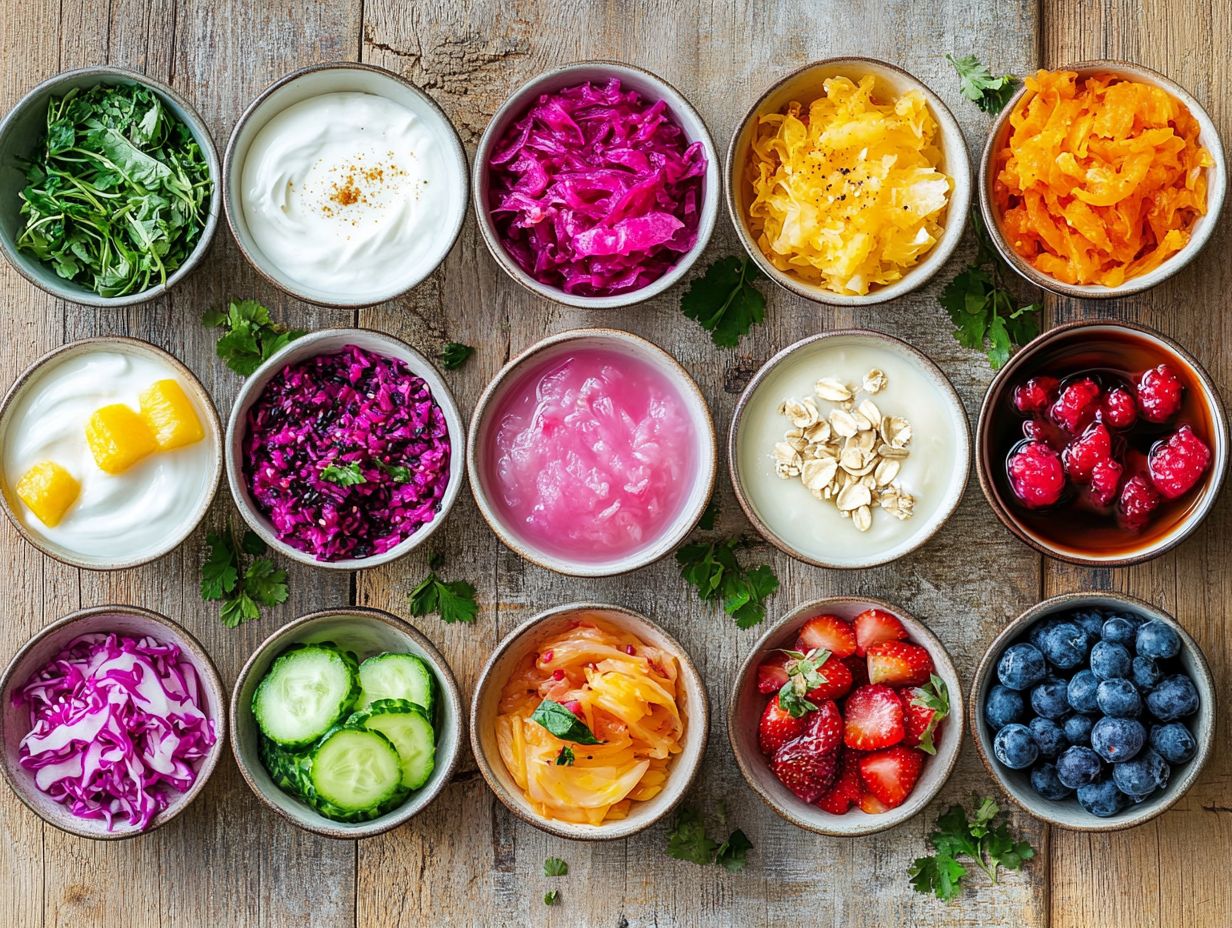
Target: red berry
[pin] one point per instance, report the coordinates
(1035, 394)
(808, 764)
(899, 663)
(1137, 501)
(1043, 430)
(872, 805)
(847, 788)
(1036, 475)
(772, 673)
(829, 632)
(874, 718)
(1105, 481)
(891, 775)
(859, 669)
(838, 683)
(1075, 408)
(1176, 465)
(1120, 411)
(874, 625)
(777, 727)
(1159, 394)
(1082, 454)
(924, 708)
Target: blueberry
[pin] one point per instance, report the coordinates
(1140, 777)
(1045, 782)
(1065, 645)
(1173, 742)
(1049, 698)
(1144, 672)
(1119, 630)
(1090, 621)
(1116, 740)
(1049, 736)
(1077, 766)
(1037, 632)
(1158, 639)
(1081, 691)
(1173, 698)
(1078, 729)
(1119, 698)
(1102, 798)
(1015, 747)
(1021, 666)
(1109, 660)
(1003, 706)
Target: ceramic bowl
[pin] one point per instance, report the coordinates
(651, 87)
(11, 408)
(1068, 813)
(483, 425)
(21, 134)
(1217, 180)
(341, 77)
(366, 632)
(812, 530)
(42, 648)
(693, 704)
(309, 346)
(1074, 340)
(747, 704)
(804, 85)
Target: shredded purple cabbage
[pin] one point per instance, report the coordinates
(596, 191)
(117, 726)
(353, 411)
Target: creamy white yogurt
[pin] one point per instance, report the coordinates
(117, 516)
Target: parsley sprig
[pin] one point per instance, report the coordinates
(977, 84)
(982, 840)
(453, 601)
(724, 301)
(344, 475)
(250, 337)
(713, 569)
(554, 866)
(454, 355)
(243, 590)
(688, 841)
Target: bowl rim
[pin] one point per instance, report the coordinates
(202, 510)
(211, 680)
(453, 705)
(1219, 440)
(948, 755)
(1062, 601)
(249, 393)
(698, 719)
(232, 205)
(958, 169)
(708, 213)
(945, 513)
(690, 390)
(1216, 189)
(201, 134)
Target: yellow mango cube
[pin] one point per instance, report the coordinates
(48, 489)
(169, 413)
(119, 438)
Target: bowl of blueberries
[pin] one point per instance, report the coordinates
(1094, 711)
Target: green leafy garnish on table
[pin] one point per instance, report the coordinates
(554, 866)
(344, 475)
(982, 840)
(562, 723)
(242, 590)
(118, 193)
(977, 84)
(713, 569)
(732, 854)
(250, 337)
(688, 841)
(551, 897)
(453, 601)
(724, 301)
(454, 355)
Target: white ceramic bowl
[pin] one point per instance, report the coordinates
(651, 87)
(340, 77)
(324, 342)
(481, 435)
(693, 703)
(804, 85)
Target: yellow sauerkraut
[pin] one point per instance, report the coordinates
(848, 195)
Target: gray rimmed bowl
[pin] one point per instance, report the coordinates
(693, 702)
(483, 424)
(20, 133)
(746, 705)
(1217, 177)
(28, 527)
(1068, 813)
(35, 653)
(651, 87)
(804, 85)
(337, 77)
(324, 342)
(366, 632)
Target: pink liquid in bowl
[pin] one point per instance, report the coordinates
(592, 456)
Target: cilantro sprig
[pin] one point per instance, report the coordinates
(982, 840)
(249, 337)
(344, 475)
(713, 569)
(453, 601)
(454, 355)
(724, 301)
(242, 589)
(975, 82)
(554, 866)
(688, 841)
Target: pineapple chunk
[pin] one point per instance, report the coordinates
(118, 438)
(48, 489)
(169, 413)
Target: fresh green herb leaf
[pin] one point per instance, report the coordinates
(265, 583)
(724, 301)
(397, 472)
(554, 866)
(733, 853)
(250, 337)
(803, 674)
(453, 601)
(983, 839)
(454, 355)
(551, 897)
(935, 696)
(562, 723)
(243, 590)
(345, 475)
(688, 841)
(565, 758)
(977, 84)
(220, 571)
(713, 569)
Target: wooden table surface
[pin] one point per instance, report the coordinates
(466, 861)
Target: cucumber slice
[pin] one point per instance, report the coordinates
(306, 691)
(284, 767)
(407, 727)
(354, 774)
(396, 676)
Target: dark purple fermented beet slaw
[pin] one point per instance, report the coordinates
(346, 453)
(596, 190)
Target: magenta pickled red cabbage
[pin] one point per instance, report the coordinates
(118, 726)
(346, 453)
(596, 191)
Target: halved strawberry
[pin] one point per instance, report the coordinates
(890, 775)
(829, 632)
(874, 625)
(924, 708)
(777, 727)
(859, 669)
(874, 718)
(847, 787)
(812, 678)
(899, 663)
(808, 764)
(838, 682)
(872, 805)
(772, 673)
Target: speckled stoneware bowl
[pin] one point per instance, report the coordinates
(1067, 813)
(558, 346)
(693, 703)
(21, 131)
(747, 704)
(325, 341)
(1217, 180)
(43, 647)
(651, 87)
(805, 85)
(366, 632)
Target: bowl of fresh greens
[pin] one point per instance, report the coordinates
(108, 187)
